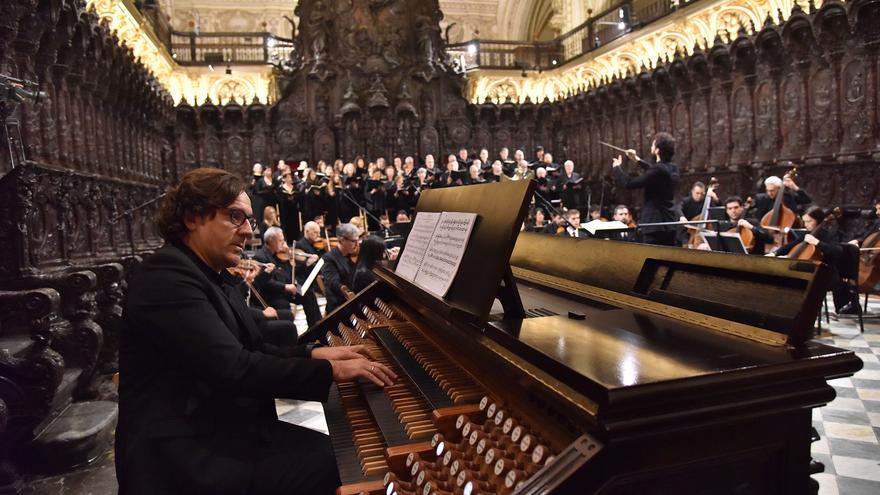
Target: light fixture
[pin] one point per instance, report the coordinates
(554, 62)
(621, 25)
(228, 70)
(211, 67)
(472, 48)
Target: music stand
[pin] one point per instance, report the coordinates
(725, 242)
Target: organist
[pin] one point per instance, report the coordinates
(198, 383)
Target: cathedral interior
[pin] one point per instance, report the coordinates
(108, 103)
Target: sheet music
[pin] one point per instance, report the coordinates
(594, 226)
(417, 244)
(312, 276)
(445, 251)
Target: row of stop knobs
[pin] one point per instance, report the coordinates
(490, 452)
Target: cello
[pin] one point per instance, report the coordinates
(780, 218)
(869, 263)
(746, 235)
(805, 251)
(696, 231)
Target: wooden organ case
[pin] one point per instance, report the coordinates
(602, 367)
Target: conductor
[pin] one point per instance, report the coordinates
(197, 381)
(659, 181)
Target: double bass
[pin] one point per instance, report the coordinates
(805, 251)
(696, 231)
(780, 218)
(869, 263)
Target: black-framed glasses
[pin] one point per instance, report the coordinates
(239, 217)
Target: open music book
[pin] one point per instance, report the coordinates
(434, 249)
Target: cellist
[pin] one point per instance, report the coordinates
(736, 219)
(872, 228)
(827, 241)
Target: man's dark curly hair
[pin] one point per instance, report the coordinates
(665, 143)
(201, 192)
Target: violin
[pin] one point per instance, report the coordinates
(325, 243)
(780, 217)
(805, 251)
(696, 231)
(869, 262)
(746, 235)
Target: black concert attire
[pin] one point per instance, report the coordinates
(347, 210)
(573, 232)
(337, 271)
(659, 182)
(569, 190)
(874, 227)
(690, 209)
(288, 205)
(271, 285)
(762, 236)
(491, 177)
(794, 201)
(832, 253)
(281, 331)
(264, 195)
(197, 389)
(313, 201)
(309, 299)
(507, 167)
(374, 201)
(331, 206)
(463, 164)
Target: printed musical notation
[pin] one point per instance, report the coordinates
(434, 249)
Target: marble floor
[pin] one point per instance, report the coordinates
(849, 426)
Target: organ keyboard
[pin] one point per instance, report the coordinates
(625, 371)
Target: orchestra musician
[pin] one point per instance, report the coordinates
(692, 205)
(338, 266)
(277, 287)
(826, 240)
(304, 266)
(536, 220)
(659, 182)
(872, 228)
(572, 226)
(198, 382)
(622, 214)
(736, 218)
(794, 198)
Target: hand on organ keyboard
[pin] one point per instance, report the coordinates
(351, 369)
(342, 352)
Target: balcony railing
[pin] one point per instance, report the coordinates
(595, 32)
(229, 48)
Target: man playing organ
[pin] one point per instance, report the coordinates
(198, 382)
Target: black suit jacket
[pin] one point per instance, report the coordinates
(337, 271)
(197, 382)
(659, 182)
(271, 285)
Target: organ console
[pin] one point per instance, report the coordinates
(602, 367)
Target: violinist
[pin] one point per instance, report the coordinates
(736, 218)
(278, 287)
(557, 224)
(794, 198)
(338, 265)
(306, 254)
(572, 226)
(827, 241)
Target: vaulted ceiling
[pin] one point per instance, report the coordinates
(466, 19)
